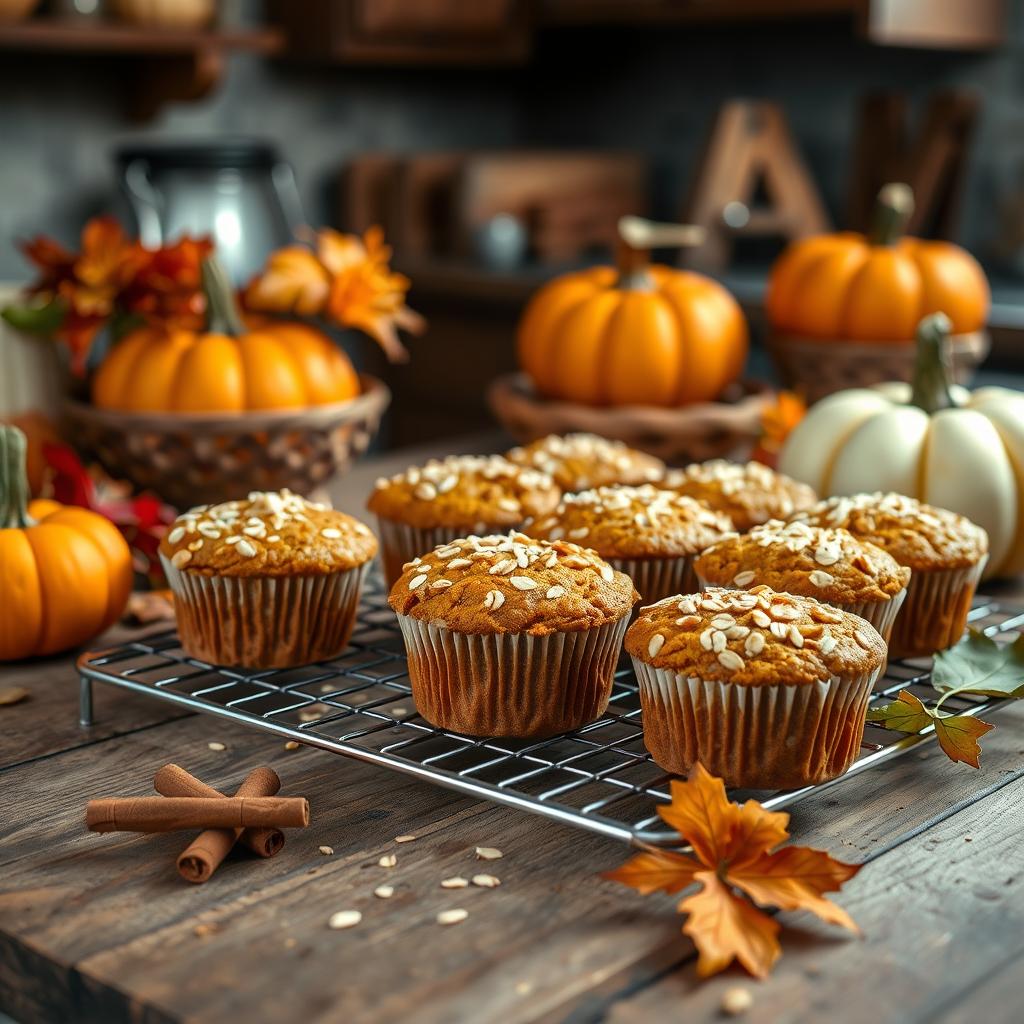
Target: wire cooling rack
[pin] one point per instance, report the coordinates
(600, 777)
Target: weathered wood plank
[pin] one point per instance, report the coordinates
(550, 939)
(937, 915)
(47, 722)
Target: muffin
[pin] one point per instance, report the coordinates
(945, 552)
(649, 534)
(578, 462)
(509, 636)
(447, 499)
(749, 493)
(766, 690)
(269, 582)
(828, 564)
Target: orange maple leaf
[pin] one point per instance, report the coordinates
(737, 864)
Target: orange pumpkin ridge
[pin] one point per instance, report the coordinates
(65, 575)
(641, 334)
(228, 368)
(875, 287)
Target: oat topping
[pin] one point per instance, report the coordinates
(921, 537)
(268, 533)
(750, 493)
(579, 461)
(790, 557)
(633, 522)
(755, 637)
(470, 492)
(512, 583)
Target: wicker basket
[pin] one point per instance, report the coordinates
(193, 459)
(707, 430)
(815, 368)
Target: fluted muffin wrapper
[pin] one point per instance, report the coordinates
(656, 578)
(935, 613)
(881, 614)
(400, 543)
(756, 737)
(265, 621)
(511, 684)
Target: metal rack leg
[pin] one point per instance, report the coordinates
(85, 718)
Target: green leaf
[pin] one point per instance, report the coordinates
(45, 319)
(977, 664)
(905, 714)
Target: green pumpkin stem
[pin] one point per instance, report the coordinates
(893, 209)
(222, 315)
(13, 480)
(933, 366)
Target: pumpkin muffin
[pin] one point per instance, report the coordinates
(749, 493)
(649, 534)
(578, 462)
(450, 498)
(509, 636)
(268, 582)
(945, 552)
(811, 561)
(766, 690)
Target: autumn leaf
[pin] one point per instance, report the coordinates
(739, 864)
(958, 736)
(905, 714)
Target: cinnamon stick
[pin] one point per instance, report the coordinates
(173, 780)
(173, 813)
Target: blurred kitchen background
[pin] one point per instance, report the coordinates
(440, 119)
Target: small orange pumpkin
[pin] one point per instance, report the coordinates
(65, 572)
(227, 369)
(875, 287)
(638, 334)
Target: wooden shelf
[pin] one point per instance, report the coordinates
(164, 64)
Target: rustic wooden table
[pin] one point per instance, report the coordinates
(100, 927)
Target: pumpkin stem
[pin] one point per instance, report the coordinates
(933, 373)
(13, 480)
(637, 237)
(222, 315)
(893, 209)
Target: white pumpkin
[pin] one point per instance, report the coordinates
(943, 445)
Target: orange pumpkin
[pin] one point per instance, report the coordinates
(875, 287)
(65, 572)
(227, 369)
(638, 334)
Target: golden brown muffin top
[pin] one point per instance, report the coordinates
(270, 533)
(581, 461)
(831, 565)
(921, 537)
(749, 493)
(471, 492)
(754, 638)
(512, 584)
(633, 522)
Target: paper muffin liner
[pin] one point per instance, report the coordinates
(935, 613)
(881, 614)
(656, 578)
(511, 684)
(265, 621)
(400, 543)
(755, 737)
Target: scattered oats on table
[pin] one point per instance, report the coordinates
(292, 745)
(488, 853)
(486, 881)
(216, 746)
(454, 916)
(404, 839)
(344, 919)
(389, 860)
(384, 892)
(736, 1001)
(326, 850)
(455, 882)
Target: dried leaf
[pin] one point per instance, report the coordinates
(958, 737)
(146, 606)
(957, 734)
(977, 664)
(736, 864)
(658, 870)
(905, 714)
(726, 927)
